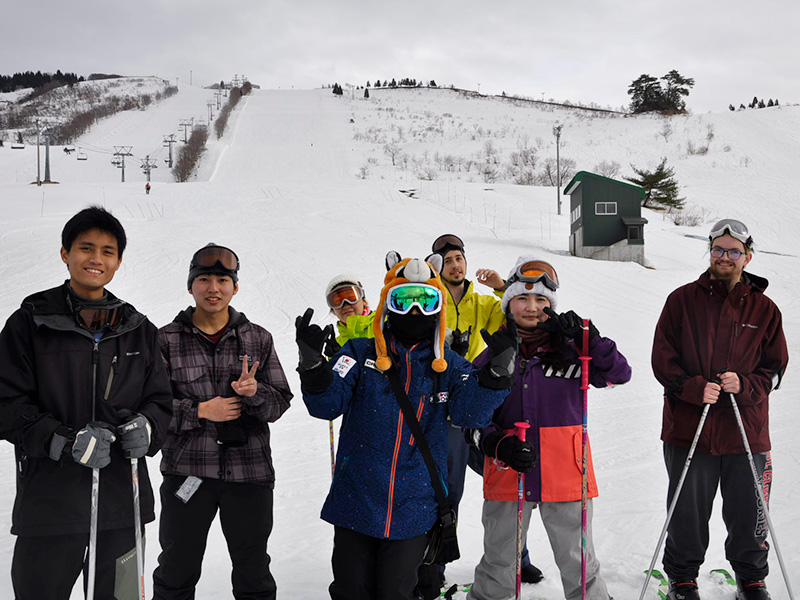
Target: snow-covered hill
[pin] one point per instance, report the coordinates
(283, 189)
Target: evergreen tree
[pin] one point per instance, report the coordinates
(366, 92)
(770, 103)
(761, 104)
(645, 93)
(677, 87)
(367, 82)
(660, 185)
(742, 107)
(731, 108)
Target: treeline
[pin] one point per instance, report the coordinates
(29, 79)
(756, 103)
(404, 82)
(189, 155)
(233, 99)
(80, 122)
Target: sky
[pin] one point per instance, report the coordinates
(585, 51)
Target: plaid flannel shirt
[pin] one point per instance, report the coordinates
(200, 370)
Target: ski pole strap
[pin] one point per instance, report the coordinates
(416, 431)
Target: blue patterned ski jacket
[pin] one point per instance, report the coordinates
(381, 486)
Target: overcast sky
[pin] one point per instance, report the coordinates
(577, 50)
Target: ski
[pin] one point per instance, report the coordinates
(455, 589)
(663, 584)
(722, 576)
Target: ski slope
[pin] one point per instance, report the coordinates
(281, 188)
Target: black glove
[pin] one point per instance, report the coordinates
(61, 442)
(310, 341)
(92, 445)
(515, 453)
(315, 372)
(567, 324)
(331, 345)
(498, 374)
(135, 434)
(460, 343)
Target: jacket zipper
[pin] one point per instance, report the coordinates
(111, 370)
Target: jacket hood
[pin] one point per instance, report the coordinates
(185, 317)
(755, 282)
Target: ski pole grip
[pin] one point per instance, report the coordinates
(520, 429)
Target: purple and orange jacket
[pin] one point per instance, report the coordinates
(551, 402)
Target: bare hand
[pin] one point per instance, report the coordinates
(246, 385)
(220, 409)
(711, 393)
(730, 382)
(490, 278)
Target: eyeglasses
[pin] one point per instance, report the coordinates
(349, 294)
(534, 271)
(732, 253)
(213, 255)
(402, 298)
(736, 229)
(447, 242)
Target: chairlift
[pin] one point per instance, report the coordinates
(82, 155)
(116, 162)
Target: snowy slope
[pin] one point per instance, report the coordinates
(281, 189)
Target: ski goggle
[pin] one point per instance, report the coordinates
(534, 271)
(349, 294)
(96, 318)
(211, 256)
(447, 242)
(736, 229)
(402, 298)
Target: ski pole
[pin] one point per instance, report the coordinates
(584, 358)
(137, 523)
(95, 493)
(675, 497)
(760, 490)
(333, 452)
(520, 431)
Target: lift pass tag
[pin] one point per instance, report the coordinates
(188, 488)
(343, 365)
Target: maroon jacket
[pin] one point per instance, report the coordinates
(705, 330)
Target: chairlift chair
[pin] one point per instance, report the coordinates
(82, 155)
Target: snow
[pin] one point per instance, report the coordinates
(281, 188)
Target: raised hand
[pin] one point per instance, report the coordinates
(246, 385)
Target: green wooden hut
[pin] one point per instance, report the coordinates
(606, 218)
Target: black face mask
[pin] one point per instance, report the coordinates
(411, 328)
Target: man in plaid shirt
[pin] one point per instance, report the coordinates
(227, 386)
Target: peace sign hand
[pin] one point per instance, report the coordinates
(246, 385)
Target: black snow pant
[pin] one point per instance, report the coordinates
(746, 546)
(368, 568)
(245, 514)
(49, 566)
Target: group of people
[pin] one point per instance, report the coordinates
(433, 380)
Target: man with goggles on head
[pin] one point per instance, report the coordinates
(467, 313)
(718, 338)
(381, 501)
(83, 391)
(227, 386)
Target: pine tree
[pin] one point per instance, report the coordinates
(366, 92)
(677, 86)
(660, 185)
(731, 108)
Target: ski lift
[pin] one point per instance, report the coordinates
(116, 162)
(82, 155)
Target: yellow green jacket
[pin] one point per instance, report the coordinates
(479, 311)
(358, 326)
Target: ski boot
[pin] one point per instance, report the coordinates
(531, 574)
(683, 590)
(747, 589)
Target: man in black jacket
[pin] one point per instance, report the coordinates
(83, 391)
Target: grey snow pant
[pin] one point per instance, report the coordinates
(496, 576)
